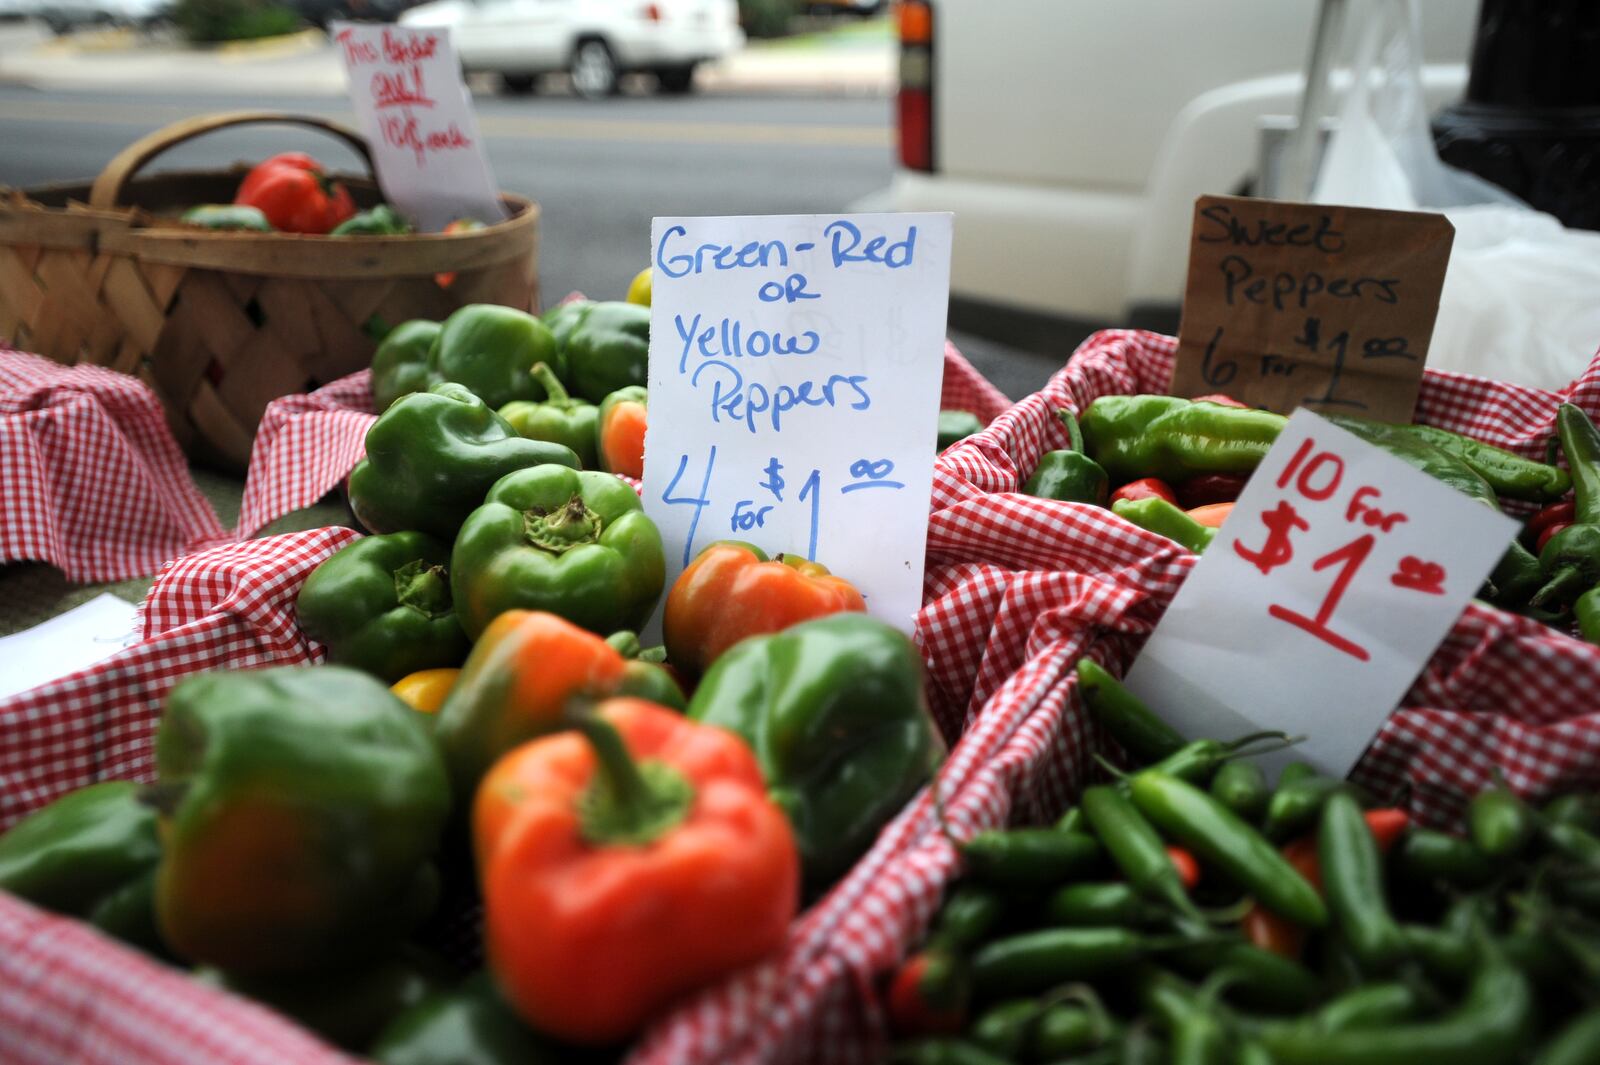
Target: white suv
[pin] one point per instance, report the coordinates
(596, 41)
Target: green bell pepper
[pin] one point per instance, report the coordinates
(91, 854)
(379, 221)
(471, 1025)
(403, 362)
(1068, 474)
(834, 710)
(382, 604)
(576, 544)
(349, 1007)
(559, 419)
(563, 318)
(228, 216)
(300, 808)
(957, 425)
(492, 350)
(432, 456)
(608, 349)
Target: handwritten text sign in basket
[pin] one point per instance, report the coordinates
(1292, 304)
(795, 366)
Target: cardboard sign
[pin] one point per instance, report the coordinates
(795, 371)
(414, 109)
(1293, 304)
(1323, 595)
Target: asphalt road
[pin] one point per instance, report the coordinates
(600, 171)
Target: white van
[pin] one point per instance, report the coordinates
(1070, 137)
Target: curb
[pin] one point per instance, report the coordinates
(298, 41)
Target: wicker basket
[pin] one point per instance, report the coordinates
(220, 323)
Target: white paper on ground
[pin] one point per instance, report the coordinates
(413, 107)
(795, 372)
(66, 643)
(1259, 637)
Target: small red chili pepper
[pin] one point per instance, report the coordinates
(1267, 930)
(1221, 400)
(1562, 512)
(1548, 532)
(1211, 488)
(1146, 488)
(1388, 825)
(909, 1009)
(1188, 868)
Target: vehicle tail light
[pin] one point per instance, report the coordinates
(916, 84)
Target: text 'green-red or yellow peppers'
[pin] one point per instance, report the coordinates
(834, 709)
(732, 591)
(92, 854)
(300, 808)
(608, 349)
(574, 543)
(523, 672)
(403, 363)
(493, 350)
(559, 418)
(382, 604)
(432, 456)
(619, 443)
(625, 864)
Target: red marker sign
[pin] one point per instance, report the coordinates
(1331, 583)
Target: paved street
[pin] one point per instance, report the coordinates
(599, 170)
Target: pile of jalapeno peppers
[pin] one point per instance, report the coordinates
(1190, 912)
(1177, 465)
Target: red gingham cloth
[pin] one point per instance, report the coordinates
(91, 480)
(307, 444)
(1017, 589)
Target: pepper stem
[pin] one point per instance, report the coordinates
(554, 390)
(423, 588)
(1561, 584)
(1074, 434)
(628, 803)
(571, 525)
(625, 643)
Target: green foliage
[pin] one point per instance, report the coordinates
(210, 21)
(767, 18)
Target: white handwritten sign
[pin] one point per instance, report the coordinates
(795, 369)
(405, 85)
(1323, 595)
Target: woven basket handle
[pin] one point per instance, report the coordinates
(108, 186)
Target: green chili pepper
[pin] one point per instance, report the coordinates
(1536, 956)
(228, 216)
(1136, 848)
(1586, 612)
(1035, 961)
(1582, 811)
(1515, 577)
(1511, 476)
(1242, 788)
(1500, 823)
(1294, 807)
(1102, 904)
(1174, 439)
(1064, 1029)
(1445, 955)
(1218, 836)
(1158, 516)
(1352, 883)
(1005, 1028)
(1257, 978)
(1135, 727)
(379, 221)
(1571, 558)
(1574, 843)
(1488, 1027)
(1029, 857)
(1198, 1039)
(1073, 821)
(1576, 1044)
(1369, 1007)
(957, 425)
(943, 1051)
(1428, 855)
(1068, 474)
(968, 915)
(1296, 771)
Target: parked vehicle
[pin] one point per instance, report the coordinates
(595, 41)
(1070, 139)
(63, 16)
(321, 12)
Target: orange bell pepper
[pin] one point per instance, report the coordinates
(517, 682)
(1212, 515)
(732, 590)
(426, 689)
(625, 864)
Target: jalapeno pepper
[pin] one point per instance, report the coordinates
(1294, 807)
(1242, 788)
(1217, 836)
(1132, 724)
(1500, 823)
(1036, 961)
(1068, 474)
(1136, 848)
(1102, 904)
(1029, 856)
(1576, 1044)
(1352, 881)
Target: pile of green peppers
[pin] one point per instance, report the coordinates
(1193, 913)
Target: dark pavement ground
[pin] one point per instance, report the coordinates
(600, 172)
